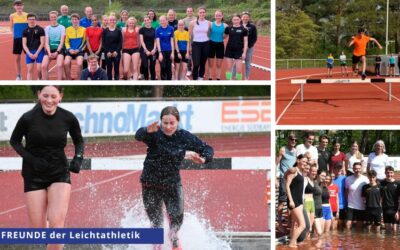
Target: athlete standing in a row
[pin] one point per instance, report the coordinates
(45, 169)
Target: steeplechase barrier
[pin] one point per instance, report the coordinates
(345, 81)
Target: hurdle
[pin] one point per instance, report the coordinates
(345, 81)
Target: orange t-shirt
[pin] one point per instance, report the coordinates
(360, 45)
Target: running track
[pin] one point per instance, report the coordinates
(227, 199)
(261, 58)
(334, 104)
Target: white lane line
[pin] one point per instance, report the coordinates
(287, 106)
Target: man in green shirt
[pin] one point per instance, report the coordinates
(64, 19)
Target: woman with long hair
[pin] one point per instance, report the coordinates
(130, 48)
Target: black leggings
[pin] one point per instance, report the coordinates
(144, 65)
(172, 197)
(166, 64)
(200, 52)
(113, 62)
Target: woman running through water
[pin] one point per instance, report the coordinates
(45, 169)
(168, 145)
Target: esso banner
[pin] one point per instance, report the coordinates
(125, 118)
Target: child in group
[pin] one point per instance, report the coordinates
(181, 48)
(333, 199)
(372, 194)
(329, 64)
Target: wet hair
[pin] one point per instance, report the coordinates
(58, 87)
(389, 168)
(170, 110)
(76, 15)
(372, 173)
(32, 15)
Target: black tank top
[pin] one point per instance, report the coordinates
(309, 189)
(296, 189)
(325, 195)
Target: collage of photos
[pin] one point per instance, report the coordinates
(274, 125)
(132, 162)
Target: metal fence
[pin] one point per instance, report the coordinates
(309, 63)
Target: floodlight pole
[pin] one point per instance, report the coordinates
(387, 25)
(109, 3)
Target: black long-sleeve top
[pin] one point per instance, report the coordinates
(46, 137)
(252, 39)
(112, 40)
(166, 153)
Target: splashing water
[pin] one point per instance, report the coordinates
(195, 233)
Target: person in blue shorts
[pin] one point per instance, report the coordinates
(33, 40)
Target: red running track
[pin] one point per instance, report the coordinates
(228, 199)
(334, 104)
(262, 57)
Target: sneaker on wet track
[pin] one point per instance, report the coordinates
(363, 76)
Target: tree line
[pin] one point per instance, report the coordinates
(315, 28)
(15, 93)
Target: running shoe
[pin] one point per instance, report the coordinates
(141, 77)
(188, 73)
(18, 78)
(363, 76)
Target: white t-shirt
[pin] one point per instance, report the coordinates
(352, 159)
(301, 149)
(354, 186)
(342, 58)
(378, 163)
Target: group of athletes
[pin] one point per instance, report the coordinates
(325, 190)
(183, 47)
(46, 170)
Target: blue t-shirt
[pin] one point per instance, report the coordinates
(165, 35)
(391, 60)
(86, 22)
(340, 181)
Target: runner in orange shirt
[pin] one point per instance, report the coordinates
(360, 50)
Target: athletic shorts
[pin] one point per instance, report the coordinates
(80, 53)
(183, 54)
(373, 216)
(343, 64)
(330, 66)
(343, 214)
(216, 50)
(62, 52)
(326, 212)
(235, 53)
(130, 51)
(318, 213)
(38, 59)
(392, 65)
(356, 59)
(17, 46)
(389, 215)
(334, 214)
(355, 214)
(34, 184)
(309, 205)
(282, 197)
